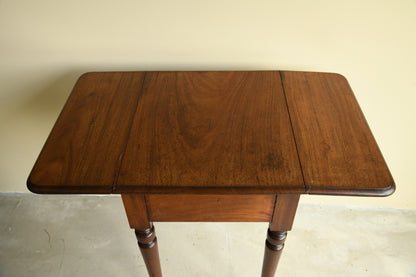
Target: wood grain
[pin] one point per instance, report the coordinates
(211, 208)
(337, 151)
(211, 132)
(83, 151)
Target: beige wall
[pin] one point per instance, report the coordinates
(46, 44)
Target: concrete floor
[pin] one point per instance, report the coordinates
(53, 235)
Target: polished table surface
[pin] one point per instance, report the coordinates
(211, 132)
(175, 137)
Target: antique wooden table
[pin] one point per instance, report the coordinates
(211, 146)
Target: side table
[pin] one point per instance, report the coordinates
(211, 146)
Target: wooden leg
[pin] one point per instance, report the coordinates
(282, 221)
(272, 251)
(136, 210)
(148, 246)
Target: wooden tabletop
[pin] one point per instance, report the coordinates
(223, 132)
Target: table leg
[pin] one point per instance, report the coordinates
(272, 251)
(148, 247)
(282, 221)
(137, 215)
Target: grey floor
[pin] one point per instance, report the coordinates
(89, 236)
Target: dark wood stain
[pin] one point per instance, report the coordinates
(136, 210)
(216, 132)
(337, 150)
(82, 153)
(211, 208)
(211, 146)
(211, 132)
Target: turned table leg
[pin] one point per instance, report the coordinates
(282, 221)
(272, 251)
(136, 211)
(148, 247)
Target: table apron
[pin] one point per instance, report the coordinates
(210, 208)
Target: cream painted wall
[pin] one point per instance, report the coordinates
(46, 44)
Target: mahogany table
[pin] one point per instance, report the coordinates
(211, 146)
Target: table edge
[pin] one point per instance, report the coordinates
(330, 191)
